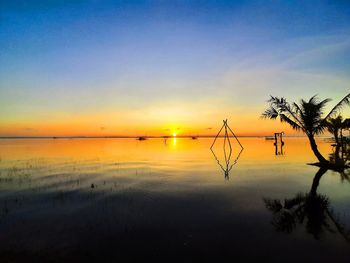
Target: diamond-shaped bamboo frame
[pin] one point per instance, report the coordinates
(227, 167)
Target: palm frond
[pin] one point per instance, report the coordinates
(298, 110)
(274, 205)
(292, 123)
(343, 102)
(296, 201)
(333, 125)
(313, 99)
(320, 129)
(346, 124)
(323, 103)
(270, 113)
(283, 107)
(339, 226)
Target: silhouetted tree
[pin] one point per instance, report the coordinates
(306, 117)
(344, 126)
(334, 126)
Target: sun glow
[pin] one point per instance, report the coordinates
(174, 134)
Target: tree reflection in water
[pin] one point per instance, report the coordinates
(311, 208)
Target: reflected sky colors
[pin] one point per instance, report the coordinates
(102, 198)
(152, 67)
(179, 156)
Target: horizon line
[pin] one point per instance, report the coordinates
(143, 137)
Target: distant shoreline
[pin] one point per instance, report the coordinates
(136, 137)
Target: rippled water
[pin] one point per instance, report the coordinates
(107, 199)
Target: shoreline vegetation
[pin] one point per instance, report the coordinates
(151, 137)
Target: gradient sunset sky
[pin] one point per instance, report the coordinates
(164, 67)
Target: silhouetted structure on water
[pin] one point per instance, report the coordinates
(226, 168)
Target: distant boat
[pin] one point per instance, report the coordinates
(194, 138)
(142, 138)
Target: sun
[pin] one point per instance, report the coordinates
(174, 134)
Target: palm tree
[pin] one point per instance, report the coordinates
(344, 126)
(334, 125)
(306, 117)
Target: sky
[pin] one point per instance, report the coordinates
(163, 67)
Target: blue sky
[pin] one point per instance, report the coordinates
(71, 59)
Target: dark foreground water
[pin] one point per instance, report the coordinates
(120, 200)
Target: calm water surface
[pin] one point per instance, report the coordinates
(108, 199)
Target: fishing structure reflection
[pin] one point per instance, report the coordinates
(279, 150)
(227, 149)
(279, 143)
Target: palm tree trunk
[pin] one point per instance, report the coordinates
(336, 138)
(314, 148)
(341, 137)
(316, 181)
(336, 154)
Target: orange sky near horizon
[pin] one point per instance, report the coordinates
(91, 68)
(197, 119)
(144, 126)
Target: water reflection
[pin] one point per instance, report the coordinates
(279, 150)
(311, 208)
(226, 149)
(226, 168)
(99, 199)
(341, 157)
